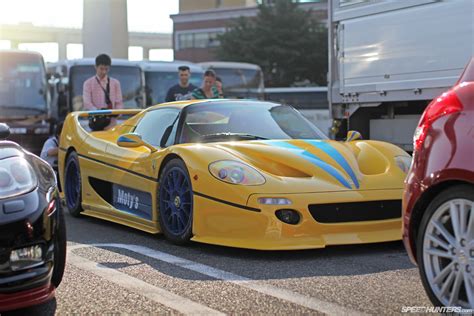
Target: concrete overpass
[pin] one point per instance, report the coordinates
(28, 33)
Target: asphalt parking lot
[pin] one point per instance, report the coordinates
(115, 269)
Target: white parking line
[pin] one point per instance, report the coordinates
(140, 287)
(287, 295)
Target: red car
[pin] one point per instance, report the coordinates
(438, 202)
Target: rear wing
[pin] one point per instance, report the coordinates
(99, 120)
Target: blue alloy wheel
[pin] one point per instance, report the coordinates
(176, 202)
(73, 185)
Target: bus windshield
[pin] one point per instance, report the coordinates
(22, 83)
(236, 78)
(158, 83)
(130, 82)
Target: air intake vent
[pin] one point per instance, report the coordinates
(356, 211)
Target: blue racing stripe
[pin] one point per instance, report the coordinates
(336, 155)
(124, 139)
(99, 112)
(314, 160)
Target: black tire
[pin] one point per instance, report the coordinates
(60, 240)
(180, 233)
(73, 185)
(455, 192)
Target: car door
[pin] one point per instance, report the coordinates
(134, 188)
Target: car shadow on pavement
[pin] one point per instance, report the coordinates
(331, 261)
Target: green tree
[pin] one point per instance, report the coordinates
(286, 41)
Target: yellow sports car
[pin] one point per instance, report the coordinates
(238, 173)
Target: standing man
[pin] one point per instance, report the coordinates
(184, 89)
(101, 91)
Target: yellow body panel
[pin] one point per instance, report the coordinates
(227, 225)
(220, 215)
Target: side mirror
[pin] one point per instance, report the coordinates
(353, 135)
(4, 131)
(133, 140)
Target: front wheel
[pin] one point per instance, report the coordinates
(445, 248)
(60, 241)
(73, 184)
(176, 202)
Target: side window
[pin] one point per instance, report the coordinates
(153, 125)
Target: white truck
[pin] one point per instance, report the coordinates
(388, 59)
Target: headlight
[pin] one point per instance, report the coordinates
(403, 162)
(25, 258)
(235, 172)
(16, 177)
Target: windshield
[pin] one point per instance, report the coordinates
(468, 74)
(252, 119)
(158, 83)
(130, 82)
(22, 83)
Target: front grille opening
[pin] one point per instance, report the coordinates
(356, 211)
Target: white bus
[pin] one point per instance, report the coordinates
(25, 98)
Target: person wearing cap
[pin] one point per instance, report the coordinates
(182, 90)
(102, 91)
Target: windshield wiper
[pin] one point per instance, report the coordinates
(241, 136)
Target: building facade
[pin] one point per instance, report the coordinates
(197, 25)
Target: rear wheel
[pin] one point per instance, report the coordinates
(60, 241)
(73, 184)
(445, 246)
(176, 202)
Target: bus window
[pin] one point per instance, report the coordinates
(128, 76)
(239, 80)
(158, 83)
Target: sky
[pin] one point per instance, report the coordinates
(143, 16)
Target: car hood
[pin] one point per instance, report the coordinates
(315, 165)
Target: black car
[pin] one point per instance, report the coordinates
(32, 228)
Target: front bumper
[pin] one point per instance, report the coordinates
(224, 224)
(23, 299)
(411, 196)
(30, 225)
